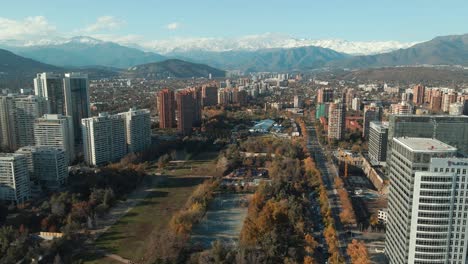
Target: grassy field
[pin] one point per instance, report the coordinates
(129, 237)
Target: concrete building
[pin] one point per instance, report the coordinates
(403, 108)
(426, 208)
(321, 110)
(372, 113)
(103, 139)
(418, 94)
(137, 129)
(185, 111)
(14, 178)
(447, 100)
(55, 130)
(297, 101)
(209, 95)
(324, 95)
(456, 109)
(17, 116)
(452, 130)
(76, 87)
(356, 104)
(378, 139)
(166, 108)
(47, 166)
(336, 120)
(51, 86)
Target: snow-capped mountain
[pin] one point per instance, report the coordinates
(268, 41)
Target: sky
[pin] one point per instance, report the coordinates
(138, 20)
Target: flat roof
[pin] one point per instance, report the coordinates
(416, 144)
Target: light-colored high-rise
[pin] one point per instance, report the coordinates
(17, 116)
(336, 120)
(47, 166)
(137, 129)
(51, 86)
(76, 87)
(55, 131)
(427, 209)
(103, 139)
(378, 136)
(14, 178)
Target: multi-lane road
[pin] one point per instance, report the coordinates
(329, 172)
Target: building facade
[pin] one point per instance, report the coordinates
(378, 139)
(51, 86)
(103, 139)
(372, 113)
(185, 111)
(137, 129)
(166, 108)
(76, 89)
(14, 178)
(336, 120)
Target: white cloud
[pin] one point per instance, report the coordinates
(173, 26)
(104, 23)
(29, 28)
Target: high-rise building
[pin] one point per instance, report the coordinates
(336, 120)
(406, 97)
(77, 106)
(372, 113)
(209, 95)
(8, 127)
(452, 130)
(378, 138)
(51, 86)
(137, 129)
(197, 105)
(350, 95)
(27, 109)
(356, 104)
(166, 108)
(55, 130)
(321, 110)
(324, 95)
(436, 103)
(185, 111)
(447, 100)
(17, 116)
(104, 139)
(297, 101)
(47, 166)
(14, 178)
(418, 94)
(423, 206)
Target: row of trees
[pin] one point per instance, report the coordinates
(347, 215)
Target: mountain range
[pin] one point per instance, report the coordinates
(101, 58)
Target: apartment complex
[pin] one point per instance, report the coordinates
(14, 178)
(137, 129)
(378, 139)
(166, 108)
(336, 120)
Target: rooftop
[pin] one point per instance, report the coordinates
(424, 144)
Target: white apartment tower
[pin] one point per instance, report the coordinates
(54, 130)
(14, 178)
(137, 129)
(47, 166)
(427, 208)
(103, 139)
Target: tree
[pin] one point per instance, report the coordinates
(358, 253)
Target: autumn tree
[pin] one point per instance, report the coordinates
(358, 253)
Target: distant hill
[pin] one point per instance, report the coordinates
(288, 59)
(16, 71)
(407, 74)
(445, 50)
(85, 51)
(173, 68)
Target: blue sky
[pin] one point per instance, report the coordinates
(338, 19)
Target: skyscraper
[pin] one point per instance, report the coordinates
(378, 138)
(452, 130)
(418, 94)
(17, 116)
(209, 95)
(47, 166)
(372, 113)
(56, 131)
(137, 129)
(185, 111)
(104, 139)
(336, 120)
(324, 95)
(76, 88)
(51, 86)
(447, 100)
(166, 108)
(423, 203)
(14, 178)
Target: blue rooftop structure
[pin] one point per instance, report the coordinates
(263, 126)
